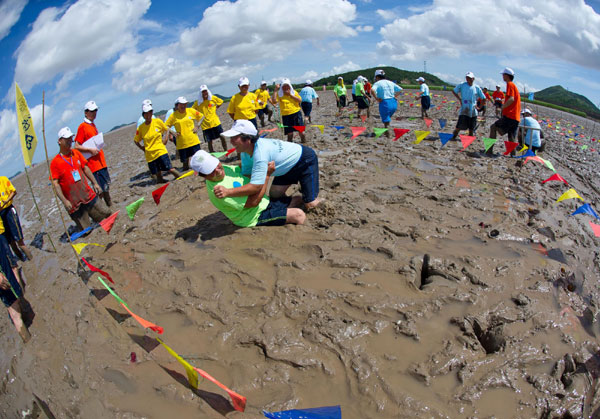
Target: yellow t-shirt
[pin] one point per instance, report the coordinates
(6, 188)
(1, 227)
(152, 134)
(209, 109)
(243, 107)
(263, 96)
(288, 105)
(184, 124)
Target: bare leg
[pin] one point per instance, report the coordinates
(210, 147)
(302, 137)
(278, 191)
(175, 173)
(270, 113)
(312, 204)
(25, 249)
(14, 311)
(107, 199)
(295, 216)
(290, 136)
(224, 144)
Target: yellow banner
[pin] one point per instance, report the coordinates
(26, 131)
(191, 372)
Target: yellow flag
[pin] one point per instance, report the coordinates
(190, 173)
(570, 194)
(191, 372)
(420, 135)
(79, 246)
(524, 148)
(321, 127)
(26, 131)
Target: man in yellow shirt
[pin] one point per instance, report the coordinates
(151, 133)
(187, 139)
(243, 105)
(289, 105)
(207, 104)
(263, 96)
(10, 219)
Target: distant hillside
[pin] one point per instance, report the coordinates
(558, 95)
(392, 73)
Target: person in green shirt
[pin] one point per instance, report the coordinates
(361, 97)
(245, 211)
(340, 94)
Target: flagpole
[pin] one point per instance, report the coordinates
(36, 206)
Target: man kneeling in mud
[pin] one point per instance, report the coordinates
(245, 211)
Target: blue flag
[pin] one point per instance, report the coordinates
(444, 137)
(338, 127)
(529, 153)
(329, 412)
(78, 234)
(586, 209)
(442, 123)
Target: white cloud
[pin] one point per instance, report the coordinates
(567, 30)
(68, 40)
(10, 12)
(386, 15)
(9, 133)
(366, 28)
(348, 66)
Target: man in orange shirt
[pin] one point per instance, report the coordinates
(498, 96)
(511, 111)
(87, 129)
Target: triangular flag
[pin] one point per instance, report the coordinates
(338, 127)
(488, 142)
(191, 373)
(281, 125)
(529, 153)
(584, 147)
(351, 117)
(239, 402)
(145, 323)
(379, 131)
(157, 193)
(510, 146)
(420, 136)
(267, 130)
(595, 229)
(97, 270)
(524, 148)
(586, 209)
(78, 234)
(111, 291)
(327, 412)
(466, 140)
(428, 122)
(356, 131)
(108, 222)
(442, 123)
(186, 174)
(534, 158)
(231, 150)
(79, 246)
(462, 183)
(363, 118)
(218, 154)
(321, 127)
(570, 194)
(549, 165)
(399, 132)
(299, 128)
(555, 177)
(444, 137)
(134, 206)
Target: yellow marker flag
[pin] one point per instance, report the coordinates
(420, 136)
(79, 246)
(191, 372)
(570, 194)
(321, 127)
(26, 131)
(523, 149)
(190, 173)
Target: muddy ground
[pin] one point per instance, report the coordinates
(430, 283)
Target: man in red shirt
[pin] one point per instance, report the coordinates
(511, 111)
(87, 129)
(498, 96)
(70, 175)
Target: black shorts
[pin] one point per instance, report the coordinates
(103, 179)
(425, 102)
(264, 111)
(276, 213)
(498, 103)
(306, 108)
(466, 122)
(186, 153)
(353, 97)
(305, 171)
(213, 133)
(291, 121)
(507, 126)
(161, 163)
(12, 225)
(362, 102)
(342, 102)
(9, 296)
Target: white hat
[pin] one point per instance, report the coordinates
(421, 79)
(146, 102)
(146, 107)
(263, 82)
(379, 73)
(65, 133)
(181, 99)
(527, 110)
(241, 126)
(90, 106)
(340, 78)
(243, 81)
(470, 75)
(508, 71)
(203, 163)
(202, 89)
(308, 82)
(498, 86)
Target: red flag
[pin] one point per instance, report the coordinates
(100, 271)
(157, 193)
(266, 130)
(466, 140)
(299, 128)
(428, 122)
(239, 402)
(356, 131)
(412, 104)
(231, 150)
(557, 178)
(510, 146)
(595, 228)
(363, 117)
(145, 323)
(399, 132)
(108, 222)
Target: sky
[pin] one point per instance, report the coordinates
(120, 52)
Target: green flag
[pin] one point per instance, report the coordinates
(219, 154)
(133, 207)
(111, 291)
(488, 142)
(549, 165)
(379, 131)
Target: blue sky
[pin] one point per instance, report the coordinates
(119, 52)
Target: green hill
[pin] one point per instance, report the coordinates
(558, 95)
(392, 73)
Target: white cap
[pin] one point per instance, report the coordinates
(421, 79)
(203, 163)
(241, 126)
(263, 82)
(508, 70)
(470, 75)
(307, 82)
(146, 107)
(379, 73)
(203, 88)
(498, 86)
(340, 78)
(243, 81)
(527, 110)
(90, 106)
(146, 102)
(181, 99)
(65, 133)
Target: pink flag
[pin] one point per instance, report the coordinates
(428, 122)
(595, 229)
(356, 131)
(399, 132)
(157, 193)
(107, 223)
(466, 140)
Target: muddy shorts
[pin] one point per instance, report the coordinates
(466, 122)
(213, 133)
(508, 126)
(291, 121)
(305, 171)
(276, 213)
(103, 179)
(161, 163)
(186, 153)
(342, 101)
(264, 111)
(362, 102)
(12, 225)
(9, 296)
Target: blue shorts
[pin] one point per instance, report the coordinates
(291, 121)
(387, 107)
(186, 153)
(102, 178)
(162, 163)
(425, 102)
(306, 108)
(213, 133)
(276, 213)
(306, 171)
(12, 226)
(9, 296)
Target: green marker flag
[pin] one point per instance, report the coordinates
(584, 147)
(488, 142)
(379, 131)
(351, 117)
(549, 165)
(133, 207)
(218, 154)
(111, 291)
(281, 125)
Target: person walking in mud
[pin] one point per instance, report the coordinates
(385, 92)
(263, 96)
(340, 92)
(467, 94)
(207, 104)
(511, 111)
(10, 219)
(182, 119)
(362, 102)
(289, 104)
(425, 97)
(308, 94)
(498, 97)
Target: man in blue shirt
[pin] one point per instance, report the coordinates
(467, 94)
(294, 163)
(385, 92)
(308, 94)
(425, 97)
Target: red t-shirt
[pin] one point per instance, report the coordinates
(84, 133)
(76, 192)
(498, 95)
(514, 110)
(368, 88)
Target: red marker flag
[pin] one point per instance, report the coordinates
(363, 117)
(595, 229)
(267, 130)
(231, 150)
(510, 146)
(157, 193)
(428, 122)
(356, 131)
(107, 223)
(97, 270)
(399, 132)
(299, 128)
(557, 178)
(145, 323)
(239, 402)
(466, 140)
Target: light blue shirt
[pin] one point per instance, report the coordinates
(354, 87)
(532, 137)
(284, 153)
(385, 89)
(469, 95)
(308, 94)
(424, 90)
